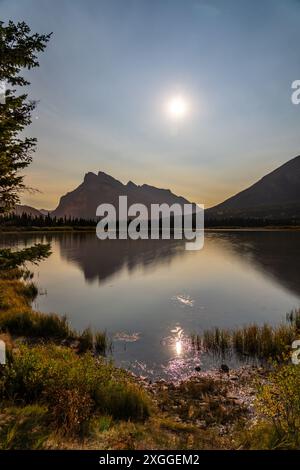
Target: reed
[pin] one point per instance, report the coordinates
(86, 341)
(262, 342)
(102, 343)
(293, 318)
(217, 339)
(36, 325)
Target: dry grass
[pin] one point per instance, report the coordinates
(261, 342)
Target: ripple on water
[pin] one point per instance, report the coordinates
(184, 300)
(127, 337)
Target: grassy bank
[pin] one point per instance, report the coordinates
(19, 319)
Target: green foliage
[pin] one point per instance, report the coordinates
(36, 325)
(279, 401)
(262, 436)
(24, 427)
(123, 400)
(18, 50)
(277, 407)
(41, 374)
(14, 259)
(101, 423)
(18, 318)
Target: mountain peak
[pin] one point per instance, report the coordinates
(274, 196)
(106, 178)
(101, 177)
(90, 176)
(131, 185)
(102, 174)
(83, 201)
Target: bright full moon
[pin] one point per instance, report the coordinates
(177, 107)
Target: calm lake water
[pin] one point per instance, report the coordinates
(150, 295)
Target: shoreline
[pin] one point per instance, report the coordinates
(93, 230)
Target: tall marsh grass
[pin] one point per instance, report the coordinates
(19, 319)
(293, 318)
(261, 342)
(36, 325)
(102, 343)
(99, 342)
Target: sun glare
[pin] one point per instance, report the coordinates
(177, 107)
(178, 347)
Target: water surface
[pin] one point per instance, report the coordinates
(150, 295)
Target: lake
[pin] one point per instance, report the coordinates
(150, 295)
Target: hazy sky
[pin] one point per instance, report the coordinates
(112, 65)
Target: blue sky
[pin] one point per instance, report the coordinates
(111, 66)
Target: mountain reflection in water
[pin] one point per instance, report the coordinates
(150, 295)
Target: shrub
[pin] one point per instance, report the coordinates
(279, 401)
(262, 436)
(43, 373)
(123, 401)
(70, 409)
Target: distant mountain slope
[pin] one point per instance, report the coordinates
(276, 195)
(45, 211)
(102, 188)
(23, 209)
